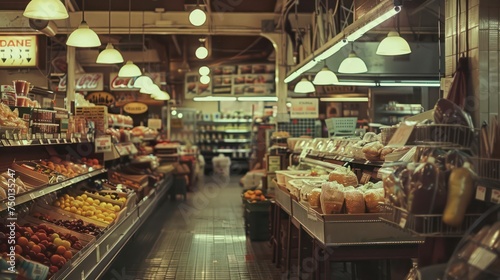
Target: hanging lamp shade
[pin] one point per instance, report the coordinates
(325, 77)
(143, 81)
(197, 17)
(109, 55)
(205, 80)
(204, 70)
(352, 64)
(161, 95)
(393, 44)
(150, 89)
(201, 52)
(304, 86)
(45, 10)
(83, 37)
(129, 70)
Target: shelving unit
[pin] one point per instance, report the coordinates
(183, 125)
(231, 137)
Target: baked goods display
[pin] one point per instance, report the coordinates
(11, 119)
(354, 202)
(314, 198)
(332, 198)
(372, 151)
(344, 176)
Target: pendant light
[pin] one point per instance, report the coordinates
(325, 77)
(205, 80)
(352, 64)
(197, 17)
(304, 86)
(161, 95)
(149, 88)
(144, 80)
(204, 70)
(45, 10)
(109, 55)
(202, 51)
(129, 69)
(393, 44)
(83, 36)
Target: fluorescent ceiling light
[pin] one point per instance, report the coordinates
(332, 50)
(352, 64)
(371, 24)
(204, 70)
(46, 10)
(83, 37)
(258, 98)
(201, 52)
(197, 17)
(304, 86)
(205, 80)
(409, 83)
(215, 98)
(109, 55)
(325, 77)
(129, 70)
(393, 44)
(344, 99)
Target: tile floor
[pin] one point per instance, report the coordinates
(201, 238)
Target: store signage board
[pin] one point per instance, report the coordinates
(127, 83)
(304, 108)
(402, 134)
(84, 82)
(135, 108)
(18, 51)
(101, 98)
(154, 123)
(103, 144)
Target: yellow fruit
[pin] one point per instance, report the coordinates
(112, 216)
(107, 196)
(116, 208)
(108, 219)
(79, 212)
(57, 203)
(103, 204)
(67, 208)
(123, 199)
(66, 195)
(85, 208)
(84, 196)
(66, 244)
(93, 217)
(100, 219)
(71, 198)
(92, 208)
(97, 211)
(73, 209)
(100, 216)
(90, 200)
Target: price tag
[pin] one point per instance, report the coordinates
(13, 143)
(481, 193)
(38, 136)
(63, 135)
(16, 136)
(495, 196)
(58, 141)
(5, 143)
(103, 144)
(311, 214)
(77, 135)
(482, 258)
(402, 222)
(65, 141)
(8, 136)
(48, 135)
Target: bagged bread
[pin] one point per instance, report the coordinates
(332, 198)
(344, 176)
(372, 151)
(354, 202)
(372, 199)
(314, 198)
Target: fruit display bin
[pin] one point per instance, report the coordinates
(350, 229)
(59, 215)
(283, 198)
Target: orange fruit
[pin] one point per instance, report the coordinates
(60, 250)
(68, 255)
(18, 249)
(23, 241)
(36, 249)
(55, 258)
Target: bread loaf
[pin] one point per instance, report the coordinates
(372, 199)
(332, 198)
(314, 198)
(354, 202)
(343, 176)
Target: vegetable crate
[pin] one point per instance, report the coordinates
(256, 216)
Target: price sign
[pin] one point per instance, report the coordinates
(5, 143)
(402, 134)
(482, 258)
(495, 196)
(481, 193)
(103, 144)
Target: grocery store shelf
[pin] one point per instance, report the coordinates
(224, 141)
(226, 131)
(232, 150)
(41, 142)
(122, 125)
(28, 196)
(403, 113)
(225, 121)
(93, 261)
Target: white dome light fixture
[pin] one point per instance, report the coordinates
(204, 70)
(83, 36)
(143, 81)
(162, 95)
(197, 17)
(110, 55)
(46, 10)
(304, 86)
(150, 89)
(129, 70)
(352, 65)
(393, 45)
(205, 80)
(201, 52)
(325, 77)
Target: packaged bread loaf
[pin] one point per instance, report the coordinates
(332, 198)
(344, 176)
(372, 199)
(354, 202)
(314, 198)
(372, 150)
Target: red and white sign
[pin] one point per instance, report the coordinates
(18, 51)
(85, 82)
(304, 108)
(127, 83)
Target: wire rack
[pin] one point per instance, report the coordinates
(425, 225)
(487, 168)
(445, 134)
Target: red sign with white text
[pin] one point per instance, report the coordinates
(127, 83)
(84, 82)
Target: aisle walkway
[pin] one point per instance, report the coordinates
(202, 238)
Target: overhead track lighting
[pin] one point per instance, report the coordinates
(205, 80)
(202, 51)
(204, 70)
(83, 36)
(109, 55)
(45, 10)
(325, 77)
(304, 86)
